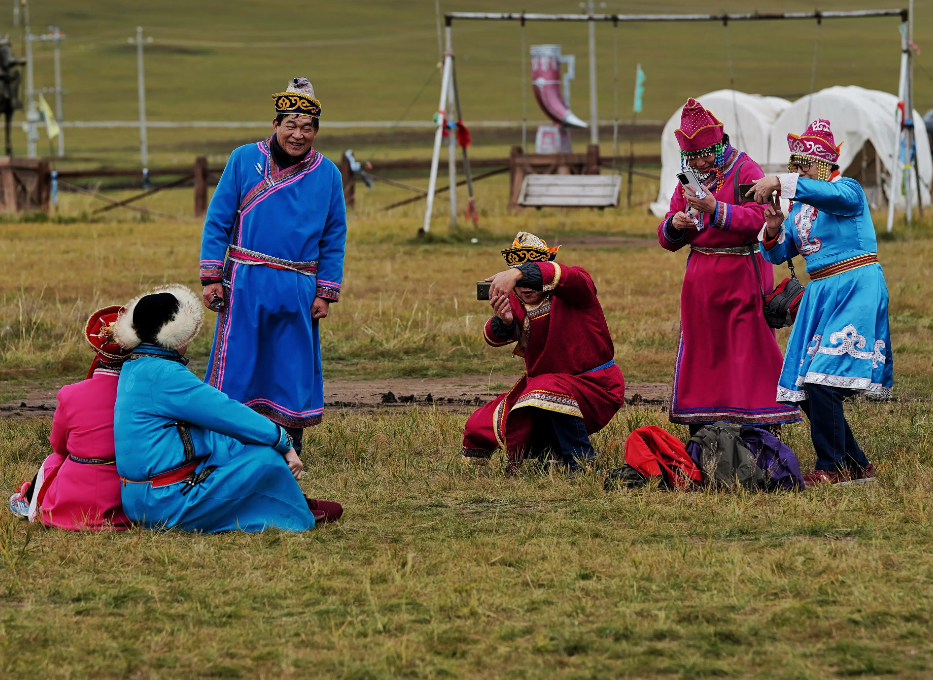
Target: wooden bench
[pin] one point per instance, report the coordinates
(570, 191)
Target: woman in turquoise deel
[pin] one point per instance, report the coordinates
(840, 345)
(189, 456)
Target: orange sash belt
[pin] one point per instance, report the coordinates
(844, 266)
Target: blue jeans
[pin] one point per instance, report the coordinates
(836, 448)
(563, 435)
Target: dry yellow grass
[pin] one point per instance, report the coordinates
(409, 305)
(437, 570)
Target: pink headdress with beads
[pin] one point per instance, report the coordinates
(816, 143)
(698, 129)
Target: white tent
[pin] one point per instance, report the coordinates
(746, 118)
(865, 121)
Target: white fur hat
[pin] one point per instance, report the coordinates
(157, 319)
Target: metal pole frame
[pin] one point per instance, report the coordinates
(896, 171)
(57, 37)
(438, 136)
(141, 84)
(451, 125)
(522, 17)
(594, 103)
(32, 134)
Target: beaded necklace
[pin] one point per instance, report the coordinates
(719, 151)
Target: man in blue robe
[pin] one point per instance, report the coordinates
(272, 254)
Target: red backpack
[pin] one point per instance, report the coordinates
(655, 452)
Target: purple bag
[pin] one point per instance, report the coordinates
(775, 458)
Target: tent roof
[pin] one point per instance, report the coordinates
(760, 129)
(857, 116)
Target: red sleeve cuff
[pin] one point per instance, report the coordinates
(770, 243)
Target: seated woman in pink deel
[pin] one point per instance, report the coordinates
(77, 486)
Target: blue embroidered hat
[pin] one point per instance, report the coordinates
(298, 99)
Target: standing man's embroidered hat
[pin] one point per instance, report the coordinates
(298, 99)
(816, 144)
(99, 334)
(167, 316)
(528, 248)
(699, 130)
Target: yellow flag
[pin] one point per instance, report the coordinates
(51, 124)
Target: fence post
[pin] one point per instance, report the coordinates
(592, 160)
(200, 186)
(516, 175)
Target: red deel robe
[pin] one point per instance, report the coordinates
(728, 361)
(562, 340)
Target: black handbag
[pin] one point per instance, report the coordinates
(780, 307)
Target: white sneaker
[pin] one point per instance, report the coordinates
(19, 506)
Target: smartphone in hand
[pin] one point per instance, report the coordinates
(688, 179)
(743, 190)
(482, 290)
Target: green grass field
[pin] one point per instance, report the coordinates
(439, 570)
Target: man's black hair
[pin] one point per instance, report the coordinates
(282, 116)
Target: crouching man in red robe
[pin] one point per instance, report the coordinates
(571, 387)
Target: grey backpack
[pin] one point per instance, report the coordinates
(724, 460)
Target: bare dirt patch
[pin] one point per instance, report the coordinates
(461, 392)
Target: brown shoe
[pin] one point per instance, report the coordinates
(865, 475)
(826, 477)
(325, 511)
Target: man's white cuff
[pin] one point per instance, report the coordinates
(763, 234)
(788, 184)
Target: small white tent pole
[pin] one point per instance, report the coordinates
(452, 140)
(438, 137)
(899, 118)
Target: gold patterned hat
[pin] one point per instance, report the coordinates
(528, 248)
(298, 99)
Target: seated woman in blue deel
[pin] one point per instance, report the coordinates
(188, 455)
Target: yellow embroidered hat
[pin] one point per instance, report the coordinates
(298, 99)
(528, 248)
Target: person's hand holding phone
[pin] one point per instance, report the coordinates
(706, 204)
(502, 308)
(774, 217)
(682, 221)
(764, 189)
(502, 285)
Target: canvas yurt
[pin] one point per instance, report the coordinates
(864, 120)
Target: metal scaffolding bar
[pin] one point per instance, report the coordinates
(634, 18)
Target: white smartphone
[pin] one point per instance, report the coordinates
(688, 179)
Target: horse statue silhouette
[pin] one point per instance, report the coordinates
(10, 78)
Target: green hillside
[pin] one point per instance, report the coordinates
(370, 59)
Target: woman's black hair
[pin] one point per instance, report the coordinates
(725, 138)
(834, 168)
(315, 123)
